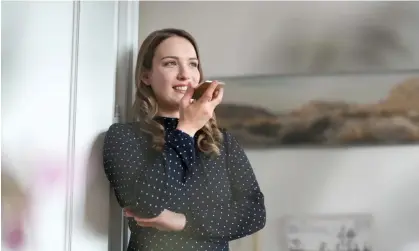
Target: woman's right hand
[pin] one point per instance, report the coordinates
(194, 115)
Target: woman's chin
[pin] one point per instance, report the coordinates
(174, 104)
(176, 99)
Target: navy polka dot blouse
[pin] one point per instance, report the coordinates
(219, 196)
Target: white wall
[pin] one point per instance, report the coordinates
(59, 64)
(382, 181)
(283, 37)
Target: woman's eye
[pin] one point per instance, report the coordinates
(194, 64)
(170, 63)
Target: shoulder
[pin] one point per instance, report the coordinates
(233, 150)
(230, 141)
(119, 129)
(124, 132)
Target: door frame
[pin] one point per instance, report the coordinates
(127, 27)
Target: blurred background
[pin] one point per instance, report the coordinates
(323, 95)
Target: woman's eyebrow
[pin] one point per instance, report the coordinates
(174, 57)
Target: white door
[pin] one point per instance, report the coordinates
(61, 63)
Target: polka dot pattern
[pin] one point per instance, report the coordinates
(220, 197)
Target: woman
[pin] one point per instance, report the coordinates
(184, 183)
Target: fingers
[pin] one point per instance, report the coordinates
(186, 100)
(208, 94)
(128, 213)
(148, 224)
(219, 92)
(146, 220)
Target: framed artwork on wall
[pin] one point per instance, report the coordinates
(321, 111)
(337, 232)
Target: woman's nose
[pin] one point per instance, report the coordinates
(185, 71)
(183, 75)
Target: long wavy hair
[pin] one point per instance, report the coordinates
(145, 108)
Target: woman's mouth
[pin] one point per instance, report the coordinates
(180, 88)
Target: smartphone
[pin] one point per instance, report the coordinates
(201, 89)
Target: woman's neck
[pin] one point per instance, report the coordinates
(174, 114)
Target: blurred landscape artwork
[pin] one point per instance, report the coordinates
(324, 111)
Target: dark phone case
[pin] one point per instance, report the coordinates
(198, 92)
(202, 88)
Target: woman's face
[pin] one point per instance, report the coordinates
(174, 67)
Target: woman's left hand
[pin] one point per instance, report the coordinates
(166, 221)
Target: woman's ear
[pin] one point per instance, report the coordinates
(146, 77)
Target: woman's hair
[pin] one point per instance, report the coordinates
(145, 106)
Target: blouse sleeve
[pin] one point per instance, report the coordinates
(124, 165)
(242, 216)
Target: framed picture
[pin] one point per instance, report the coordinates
(327, 233)
(321, 111)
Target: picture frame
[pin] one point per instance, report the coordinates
(362, 110)
(327, 232)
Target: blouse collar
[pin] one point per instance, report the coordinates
(168, 122)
